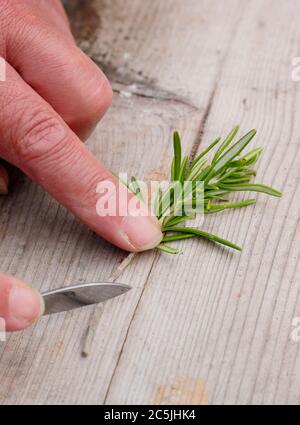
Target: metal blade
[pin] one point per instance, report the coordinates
(71, 297)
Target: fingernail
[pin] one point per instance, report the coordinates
(25, 305)
(141, 232)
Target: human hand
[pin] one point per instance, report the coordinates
(52, 97)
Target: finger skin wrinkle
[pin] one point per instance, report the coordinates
(27, 34)
(42, 137)
(11, 24)
(7, 12)
(91, 180)
(24, 23)
(15, 110)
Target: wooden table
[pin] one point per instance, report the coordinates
(211, 325)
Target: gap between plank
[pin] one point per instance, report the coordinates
(129, 326)
(97, 313)
(193, 152)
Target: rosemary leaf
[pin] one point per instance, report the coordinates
(178, 237)
(251, 188)
(203, 153)
(202, 234)
(226, 143)
(182, 170)
(172, 221)
(228, 171)
(177, 154)
(168, 249)
(135, 188)
(214, 208)
(231, 153)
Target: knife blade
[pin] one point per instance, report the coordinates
(76, 296)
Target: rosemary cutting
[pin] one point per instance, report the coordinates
(221, 169)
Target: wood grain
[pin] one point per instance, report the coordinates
(209, 326)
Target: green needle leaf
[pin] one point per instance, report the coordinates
(231, 153)
(183, 169)
(200, 233)
(251, 188)
(194, 172)
(177, 237)
(172, 221)
(227, 172)
(214, 208)
(249, 159)
(173, 170)
(177, 154)
(226, 142)
(135, 188)
(203, 153)
(168, 249)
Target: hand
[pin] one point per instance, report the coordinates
(52, 97)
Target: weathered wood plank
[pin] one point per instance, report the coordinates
(134, 126)
(49, 248)
(210, 326)
(214, 326)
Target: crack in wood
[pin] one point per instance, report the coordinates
(151, 92)
(99, 309)
(201, 130)
(122, 80)
(193, 153)
(128, 328)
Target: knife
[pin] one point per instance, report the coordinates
(76, 296)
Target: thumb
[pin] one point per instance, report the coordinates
(20, 305)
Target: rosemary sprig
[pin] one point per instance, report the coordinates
(226, 172)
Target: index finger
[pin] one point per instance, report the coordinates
(37, 140)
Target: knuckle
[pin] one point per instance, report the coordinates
(93, 91)
(99, 99)
(103, 97)
(97, 92)
(42, 137)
